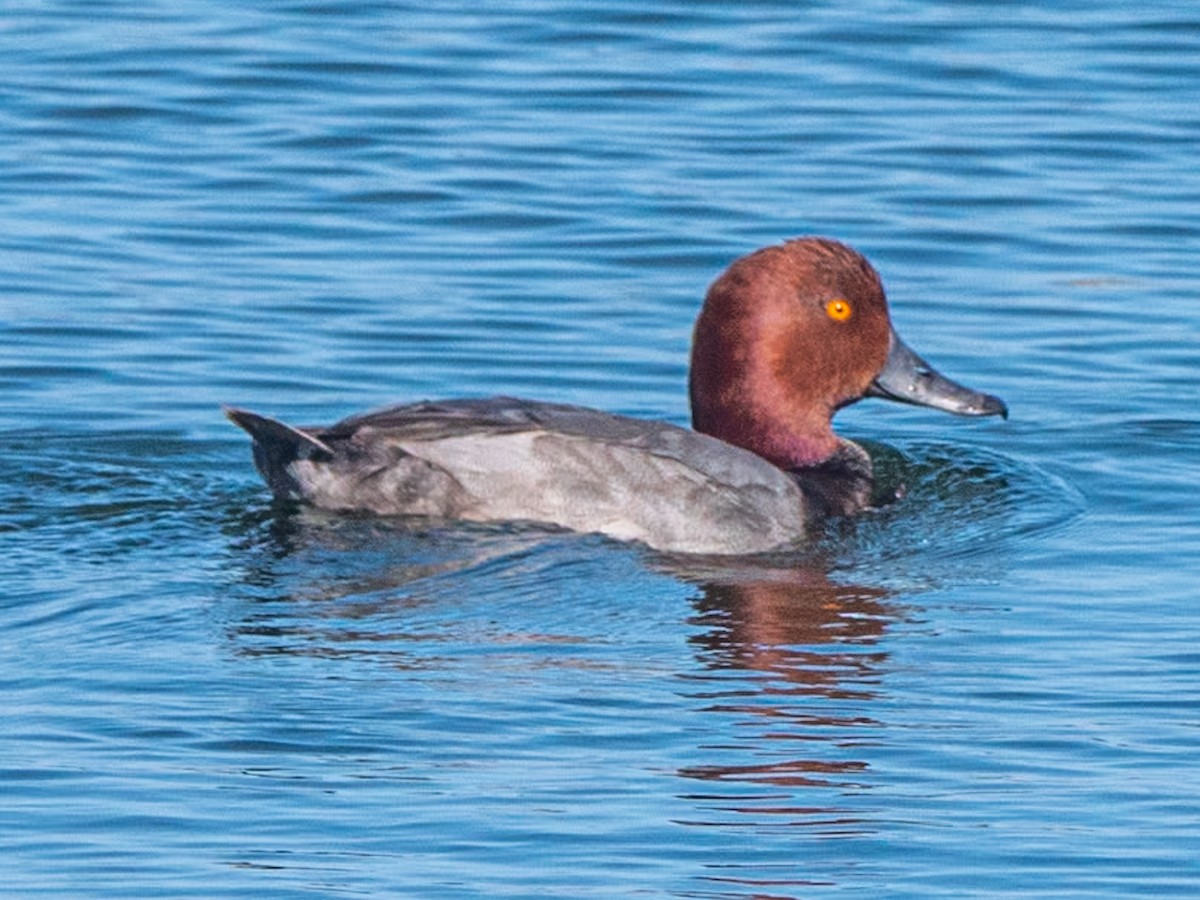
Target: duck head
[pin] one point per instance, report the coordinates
(790, 334)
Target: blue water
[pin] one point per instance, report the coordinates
(989, 689)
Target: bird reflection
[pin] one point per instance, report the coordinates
(788, 660)
(807, 631)
(791, 661)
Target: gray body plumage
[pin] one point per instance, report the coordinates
(503, 459)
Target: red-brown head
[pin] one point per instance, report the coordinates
(791, 333)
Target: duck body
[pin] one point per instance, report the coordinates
(507, 459)
(787, 336)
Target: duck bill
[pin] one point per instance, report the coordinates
(906, 378)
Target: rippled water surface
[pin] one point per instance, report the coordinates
(988, 688)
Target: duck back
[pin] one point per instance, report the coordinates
(505, 459)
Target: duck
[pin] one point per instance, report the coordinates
(787, 335)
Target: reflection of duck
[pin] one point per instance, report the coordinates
(814, 640)
(787, 336)
(784, 627)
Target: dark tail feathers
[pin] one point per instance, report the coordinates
(276, 446)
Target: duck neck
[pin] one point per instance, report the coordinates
(779, 428)
(789, 445)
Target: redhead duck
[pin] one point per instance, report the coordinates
(787, 336)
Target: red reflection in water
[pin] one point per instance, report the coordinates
(793, 667)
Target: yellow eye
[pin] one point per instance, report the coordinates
(838, 309)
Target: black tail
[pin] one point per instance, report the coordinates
(276, 446)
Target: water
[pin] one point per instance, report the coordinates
(988, 689)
